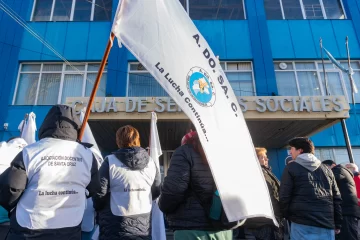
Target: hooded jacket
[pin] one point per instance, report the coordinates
(309, 194)
(125, 225)
(61, 124)
(346, 185)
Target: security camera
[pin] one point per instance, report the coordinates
(6, 125)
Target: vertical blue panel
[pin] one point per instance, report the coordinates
(20, 30)
(343, 28)
(55, 35)
(301, 35)
(256, 47)
(98, 37)
(237, 40)
(5, 59)
(280, 39)
(76, 41)
(213, 32)
(266, 48)
(6, 23)
(112, 70)
(323, 29)
(31, 48)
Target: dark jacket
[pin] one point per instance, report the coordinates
(124, 227)
(187, 191)
(61, 123)
(345, 182)
(309, 194)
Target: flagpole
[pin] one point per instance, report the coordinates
(96, 84)
(350, 76)
(325, 78)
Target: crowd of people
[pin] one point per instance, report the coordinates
(58, 188)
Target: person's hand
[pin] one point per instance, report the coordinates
(337, 231)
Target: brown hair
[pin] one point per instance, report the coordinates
(260, 150)
(127, 136)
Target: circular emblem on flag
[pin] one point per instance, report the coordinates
(200, 86)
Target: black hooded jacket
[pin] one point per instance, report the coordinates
(124, 227)
(346, 184)
(62, 123)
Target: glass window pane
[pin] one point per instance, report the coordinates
(137, 67)
(30, 67)
(27, 86)
(292, 9)
(101, 92)
(334, 83)
(273, 9)
(222, 64)
(52, 67)
(62, 10)
(42, 10)
(216, 9)
(144, 85)
(313, 9)
(94, 67)
(49, 89)
(75, 68)
(72, 86)
(103, 10)
(356, 78)
(239, 66)
(241, 83)
(305, 66)
(309, 84)
(333, 9)
(82, 10)
(281, 66)
(286, 84)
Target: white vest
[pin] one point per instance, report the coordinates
(58, 173)
(8, 152)
(130, 190)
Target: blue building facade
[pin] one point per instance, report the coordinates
(267, 48)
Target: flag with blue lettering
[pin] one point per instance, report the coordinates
(161, 35)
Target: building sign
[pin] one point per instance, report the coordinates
(258, 104)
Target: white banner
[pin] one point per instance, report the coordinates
(160, 34)
(157, 217)
(28, 128)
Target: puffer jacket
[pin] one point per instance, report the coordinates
(124, 227)
(346, 185)
(60, 123)
(309, 194)
(187, 191)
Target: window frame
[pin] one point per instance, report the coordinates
(304, 12)
(63, 72)
(319, 72)
(225, 71)
(73, 4)
(243, 4)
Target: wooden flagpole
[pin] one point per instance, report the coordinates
(96, 84)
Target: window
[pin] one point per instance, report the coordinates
(72, 10)
(339, 155)
(307, 79)
(142, 84)
(214, 9)
(304, 9)
(52, 83)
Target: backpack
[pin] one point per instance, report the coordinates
(216, 214)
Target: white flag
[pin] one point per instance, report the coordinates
(157, 217)
(28, 128)
(160, 34)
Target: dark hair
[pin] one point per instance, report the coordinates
(328, 162)
(302, 143)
